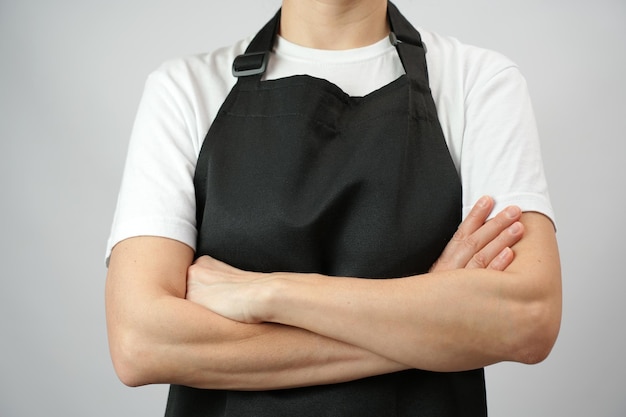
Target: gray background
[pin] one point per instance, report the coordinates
(71, 75)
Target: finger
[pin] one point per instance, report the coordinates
(505, 239)
(503, 260)
(474, 221)
(463, 247)
(476, 217)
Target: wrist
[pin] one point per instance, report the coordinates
(278, 297)
(266, 297)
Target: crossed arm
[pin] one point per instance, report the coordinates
(209, 325)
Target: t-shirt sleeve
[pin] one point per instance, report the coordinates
(501, 153)
(156, 196)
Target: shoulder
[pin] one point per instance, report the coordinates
(199, 74)
(455, 64)
(216, 60)
(467, 83)
(450, 50)
(189, 90)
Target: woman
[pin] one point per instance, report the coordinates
(242, 261)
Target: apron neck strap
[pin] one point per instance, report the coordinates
(254, 61)
(408, 43)
(407, 40)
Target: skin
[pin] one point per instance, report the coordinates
(447, 320)
(156, 335)
(208, 325)
(334, 24)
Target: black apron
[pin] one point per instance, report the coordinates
(295, 175)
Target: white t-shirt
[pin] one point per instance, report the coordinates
(481, 99)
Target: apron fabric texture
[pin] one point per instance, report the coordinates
(295, 175)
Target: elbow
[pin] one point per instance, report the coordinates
(535, 351)
(536, 332)
(131, 360)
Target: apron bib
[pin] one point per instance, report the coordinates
(295, 175)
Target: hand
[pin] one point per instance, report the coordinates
(481, 244)
(234, 293)
(223, 289)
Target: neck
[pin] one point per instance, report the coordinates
(334, 24)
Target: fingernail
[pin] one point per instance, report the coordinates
(515, 228)
(504, 254)
(512, 211)
(483, 201)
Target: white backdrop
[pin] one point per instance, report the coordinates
(71, 75)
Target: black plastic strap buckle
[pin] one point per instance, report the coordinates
(250, 64)
(395, 41)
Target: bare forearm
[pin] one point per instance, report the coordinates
(179, 342)
(157, 336)
(445, 321)
(440, 322)
(479, 305)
